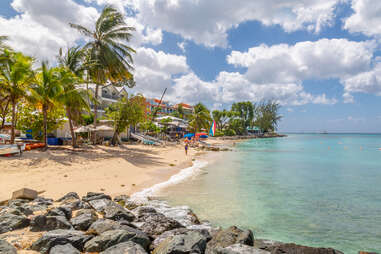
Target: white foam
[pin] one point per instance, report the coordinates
(175, 179)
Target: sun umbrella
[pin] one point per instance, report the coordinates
(201, 134)
(189, 135)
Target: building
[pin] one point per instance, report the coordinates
(163, 108)
(107, 95)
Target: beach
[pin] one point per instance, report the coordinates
(115, 170)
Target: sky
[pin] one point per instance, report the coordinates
(319, 59)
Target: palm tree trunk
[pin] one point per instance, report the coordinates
(73, 137)
(3, 115)
(13, 126)
(95, 113)
(115, 138)
(45, 112)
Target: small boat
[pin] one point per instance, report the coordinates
(7, 150)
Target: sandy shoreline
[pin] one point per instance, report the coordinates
(115, 170)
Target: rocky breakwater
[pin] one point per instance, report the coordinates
(97, 224)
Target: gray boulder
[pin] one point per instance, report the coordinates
(291, 248)
(125, 248)
(191, 241)
(239, 248)
(69, 196)
(43, 201)
(22, 209)
(121, 199)
(10, 222)
(47, 223)
(60, 237)
(141, 210)
(179, 231)
(95, 195)
(100, 204)
(116, 212)
(84, 219)
(64, 249)
(7, 248)
(228, 237)
(103, 225)
(113, 237)
(60, 211)
(155, 224)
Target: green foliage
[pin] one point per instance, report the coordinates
(221, 118)
(200, 118)
(244, 111)
(149, 126)
(268, 116)
(87, 118)
(29, 118)
(128, 111)
(107, 49)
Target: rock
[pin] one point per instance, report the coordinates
(103, 225)
(157, 223)
(75, 204)
(131, 205)
(365, 252)
(121, 199)
(266, 244)
(64, 249)
(94, 195)
(25, 193)
(7, 248)
(100, 204)
(239, 248)
(189, 242)
(230, 236)
(291, 248)
(60, 211)
(60, 237)
(17, 202)
(84, 219)
(141, 210)
(125, 248)
(43, 201)
(69, 196)
(116, 212)
(113, 237)
(23, 208)
(178, 231)
(10, 222)
(47, 223)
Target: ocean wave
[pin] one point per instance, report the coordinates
(185, 173)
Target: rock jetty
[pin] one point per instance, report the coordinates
(96, 223)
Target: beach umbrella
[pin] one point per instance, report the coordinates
(201, 134)
(189, 135)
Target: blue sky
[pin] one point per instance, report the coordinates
(318, 58)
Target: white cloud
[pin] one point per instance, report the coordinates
(42, 26)
(322, 59)
(365, 82)
(366, 18)
(207, 22)
(231, 87)
(182, 46)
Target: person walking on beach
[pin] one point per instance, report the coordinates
(186, 148)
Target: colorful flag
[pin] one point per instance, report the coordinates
(212, 129)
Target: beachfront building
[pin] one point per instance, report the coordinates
(107, 95)
(163, 108)
(187, 109)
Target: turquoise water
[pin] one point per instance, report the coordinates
(316, 190)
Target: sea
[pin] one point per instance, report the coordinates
(321, 190)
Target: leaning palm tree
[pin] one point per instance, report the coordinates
(107, 50)
(200, 117)
(15, 76)
(45, 92)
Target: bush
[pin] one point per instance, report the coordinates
(230, 132)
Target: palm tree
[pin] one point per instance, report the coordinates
(45, 92)
(2, 44)
(71, 73)
(111, 57)
(15, 76)
(200, 117)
